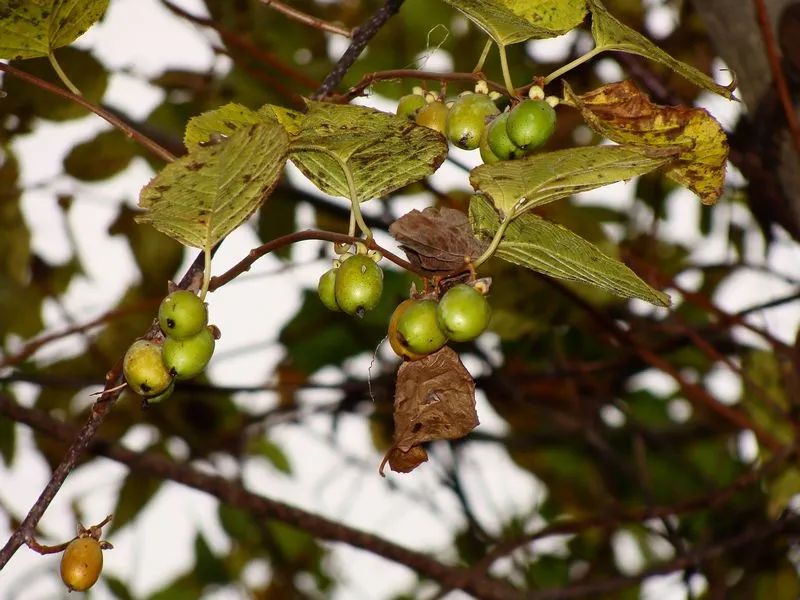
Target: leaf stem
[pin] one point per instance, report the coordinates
(498, 237)
(206, 272)
(506, 72)
(479, 67)
(62, 75)
(351, 187)
(571, 65)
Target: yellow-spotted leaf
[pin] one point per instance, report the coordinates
(518, 185)
(512, 21)
(290, 119)
(30, 28)
(205, 195)
(382, 152)
(548, 248)
(610, 34)
(621, 112)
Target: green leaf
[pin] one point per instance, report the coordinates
(611, 34)
(512, 21)
(382, 151)
(271, 452)
(15, 246)
(518, 185)
(202, 197)
(30, 28)
(8, 436)
(622, 113)
(208, 566)
(105, 155)
(117, 587)
(551, 249)
(136, 491)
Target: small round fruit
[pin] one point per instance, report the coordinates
(325, 289)
(409, 106)
(81, 564)
(358, 285)
(162, 396)
(487, 156)
(144, 370)
(499, 142)
(398, 344)
(531, 123)
(433, 116)
(417, 329)
(188, 357)
(182, 314)
(467, 119)
(463, 313)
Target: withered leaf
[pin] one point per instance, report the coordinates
(624, 114)
(405, 462)
(437, 240)
(434, 399)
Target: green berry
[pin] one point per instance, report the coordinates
(358, 285)
(81, 564)
(163, 395)
(467, 119)
(463, 313)
(182, 314)
(487, 156)
(531, 123)
(325, 290)
(499, 142)
(409, 106)
(433, 116)
(188, 357)
(417, 329)
(144, 370)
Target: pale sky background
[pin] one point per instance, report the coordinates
(412, 509)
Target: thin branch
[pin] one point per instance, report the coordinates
(246, 46)
(309, 234)
(103, 114)
(370, 78)
(361, 38)
(777, 72)
(307, 19)
(32, 346)
(233, 494)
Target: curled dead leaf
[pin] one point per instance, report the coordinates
(437, 240)
(434, 400)
(623, 113)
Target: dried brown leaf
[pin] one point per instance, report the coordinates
(437, 240)
(434, 400)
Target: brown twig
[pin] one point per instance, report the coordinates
(103, 114)
(306, 19)
(309, 234)
(247, 47)
(232, 493)
(370, 78)
(32, 346)
(360, 39)
(777, 72)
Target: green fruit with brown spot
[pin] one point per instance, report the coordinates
(358, 286)
(467, 119)
(143, 369)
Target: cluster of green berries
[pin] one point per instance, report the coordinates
(420, 327)
(473, 121)
(353, 286)
(150, 369)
